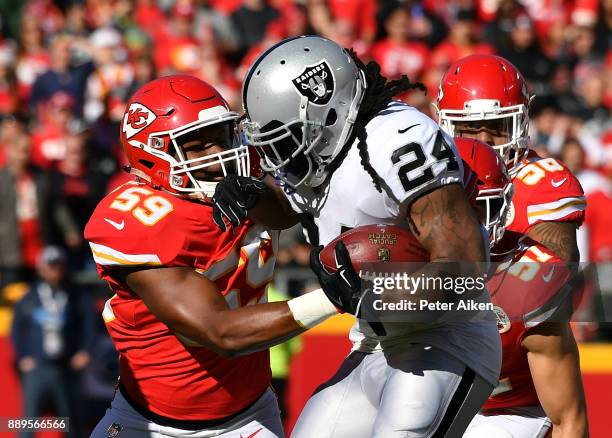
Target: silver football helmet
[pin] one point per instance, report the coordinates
(301, 99)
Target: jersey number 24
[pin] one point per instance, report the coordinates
(441, 151)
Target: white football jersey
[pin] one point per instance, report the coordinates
(403, 144)
(412, 156)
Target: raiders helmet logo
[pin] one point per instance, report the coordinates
(137, 118)
(316, 83)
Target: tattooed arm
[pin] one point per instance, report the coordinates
(446, 225)
(560, 237)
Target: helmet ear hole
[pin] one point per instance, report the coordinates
(146, 163)
(332, 117)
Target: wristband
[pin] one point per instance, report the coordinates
(312, 308)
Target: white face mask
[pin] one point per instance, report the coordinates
(233, 160)
(513, 123)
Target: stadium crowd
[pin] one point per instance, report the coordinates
(68, 67)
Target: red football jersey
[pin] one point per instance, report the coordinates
(528, 288)
(136, 225)
(544, 191)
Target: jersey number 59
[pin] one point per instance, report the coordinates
(145, 206)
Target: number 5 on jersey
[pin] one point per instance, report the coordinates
(144, 205)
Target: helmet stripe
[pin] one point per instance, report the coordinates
(257, 62)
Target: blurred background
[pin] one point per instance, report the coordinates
(68, 67)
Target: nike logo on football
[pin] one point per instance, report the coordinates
(253, 434)
(401, 131)
(548, 276)
(558, 183)
(117, 225)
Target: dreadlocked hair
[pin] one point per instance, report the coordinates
(378, 94)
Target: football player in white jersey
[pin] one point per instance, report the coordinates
(346, 155)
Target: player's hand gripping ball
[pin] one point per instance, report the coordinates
(339, 264)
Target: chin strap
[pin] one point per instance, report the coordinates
(521, 162)
(138, 174)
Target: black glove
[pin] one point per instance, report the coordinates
(233, 198)
(343, 287)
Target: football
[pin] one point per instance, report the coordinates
(376, 244)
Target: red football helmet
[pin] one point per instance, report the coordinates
(163, 115)
(487, 184)
(487, 87)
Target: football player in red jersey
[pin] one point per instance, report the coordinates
(188, 316)
(486, 97)
(540, 384)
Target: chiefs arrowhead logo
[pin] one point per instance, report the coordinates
(136, 118)
(316, 82)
